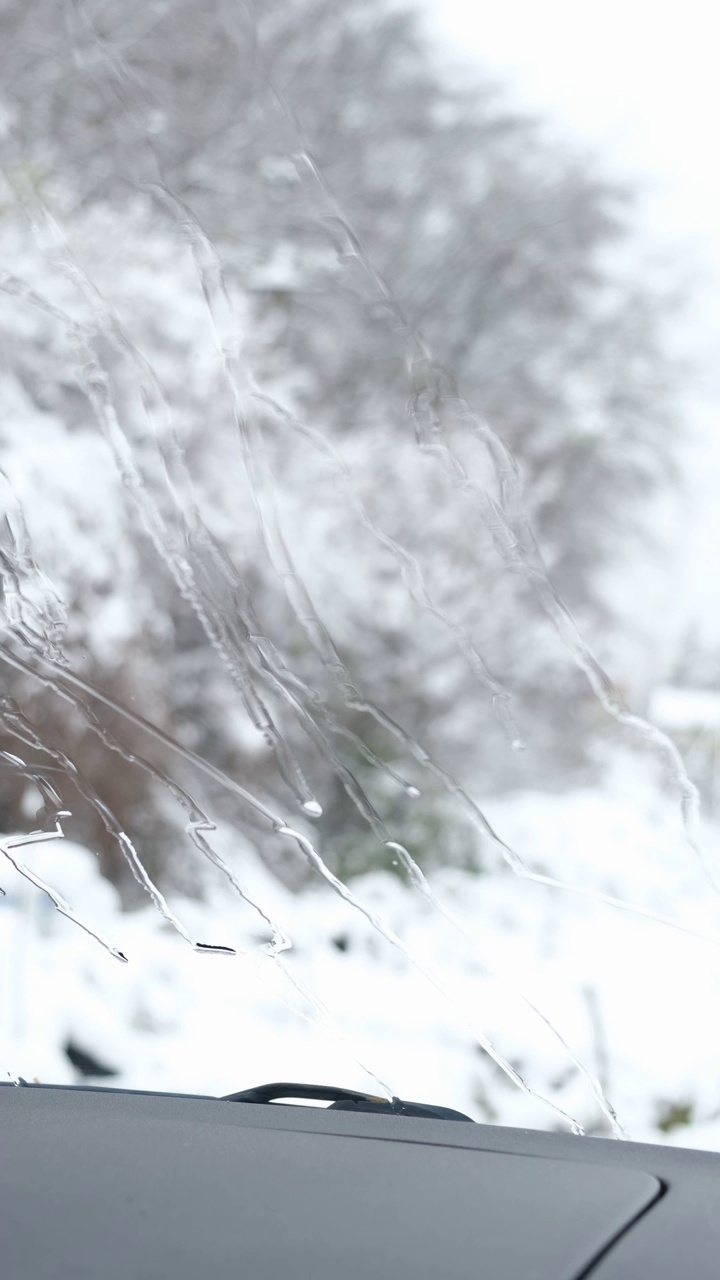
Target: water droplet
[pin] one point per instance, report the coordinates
(312, 809)
(412, 792)
(517, 744)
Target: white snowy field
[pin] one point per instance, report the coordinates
(573, 994)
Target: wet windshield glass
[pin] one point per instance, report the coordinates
(359, 719)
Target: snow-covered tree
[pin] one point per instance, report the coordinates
(294, 271)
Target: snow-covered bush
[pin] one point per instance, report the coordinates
(264, 286)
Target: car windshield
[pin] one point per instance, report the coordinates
(360, 646)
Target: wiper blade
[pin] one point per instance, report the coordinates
(345, 1100)
(339, 1099)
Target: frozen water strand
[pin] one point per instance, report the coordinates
(301, 697)
(94, 381)
(29, 598)
(620, 904)
(48, 673)
(318, 865)
(209, 614)
(419, 880)
(411, 573)
(20, 727)
(7, 848)
(9, 845)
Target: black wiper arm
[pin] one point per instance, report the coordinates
(345, 1100)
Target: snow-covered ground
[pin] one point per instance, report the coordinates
(511, 963)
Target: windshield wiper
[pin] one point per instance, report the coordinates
(345, 1100)
(339, 1099)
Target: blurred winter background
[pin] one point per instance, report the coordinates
(358, 461)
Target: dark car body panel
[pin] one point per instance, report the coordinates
(113, 1184)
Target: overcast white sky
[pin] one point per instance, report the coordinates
(641, 78)
(639, 81)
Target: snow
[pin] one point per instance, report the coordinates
(686, 710)
(632, 998)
